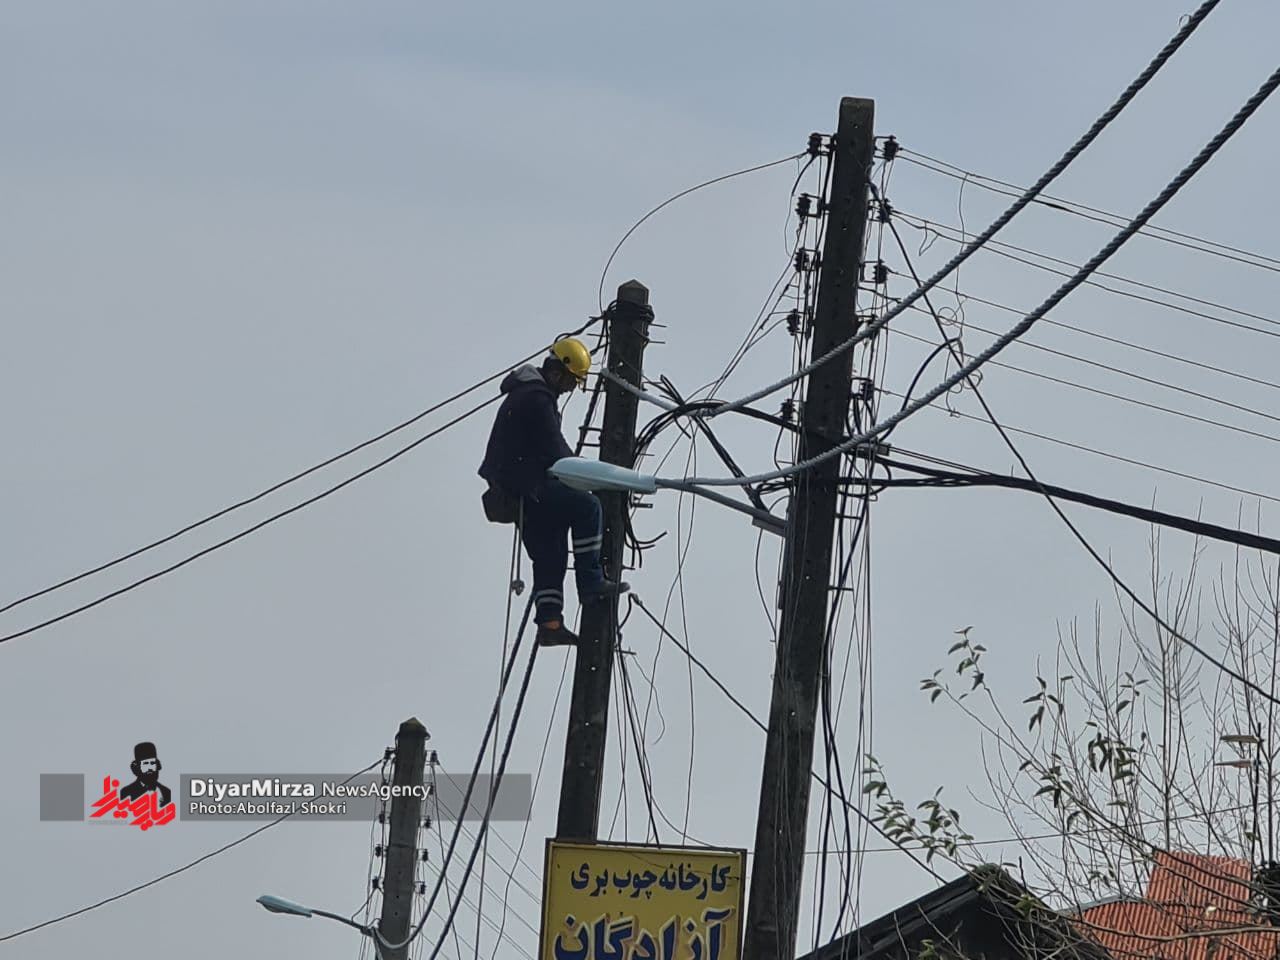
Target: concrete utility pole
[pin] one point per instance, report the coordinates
(778, 867)
(402, 843)
(593, 671)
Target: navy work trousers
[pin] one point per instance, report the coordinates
(548, 517)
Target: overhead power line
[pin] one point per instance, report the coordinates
(1122, 372)
(1108, 250)
(967, 369)
(191, 558)
(1002, 250)
(231, 508)
(636, 601)
(672, 199)
(977, 478)
(1108, 394)
(465, 803)
(965, 296)
(1244, 491)
(1189, 26)
(172, 873)
(1176, 237)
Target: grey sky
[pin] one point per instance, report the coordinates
(239, 237)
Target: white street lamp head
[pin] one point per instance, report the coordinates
(280, 905)
(583, 474)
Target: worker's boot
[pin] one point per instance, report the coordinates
(604, 589)
(555, 634)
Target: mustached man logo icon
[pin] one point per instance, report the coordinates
(145, 800)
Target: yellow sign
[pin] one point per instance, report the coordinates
(607, 901)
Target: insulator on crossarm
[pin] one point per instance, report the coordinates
(806, 259)
(807, 205)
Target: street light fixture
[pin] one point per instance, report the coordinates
(1240, 739)
(281, 905)
(592, 475)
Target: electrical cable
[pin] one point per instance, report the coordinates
(1110, 456)
(172, 873)
(512, 579)
(633, 600)
(484, 824)
(1175, 185)
(642, 761)
(1119, 371)
(435, 793)
(533, 796)
(251, 529)
(672, 199)
(471, 783)
(281, 484)
(928, 227)
(1198, 528)
(1188, 27)
(518, 860)
(1115, 219)
(1119, 341)
(1233, 125)
(757, 331)
(381, 819)
(1003, 247)
(1098, 391)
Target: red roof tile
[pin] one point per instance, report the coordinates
(1188, 898)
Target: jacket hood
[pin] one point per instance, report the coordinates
(527, 377)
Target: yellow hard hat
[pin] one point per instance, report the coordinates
(574, 355)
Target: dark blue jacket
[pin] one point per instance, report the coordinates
(526, 437)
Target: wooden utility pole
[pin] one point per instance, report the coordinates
(628, 321)
(778, 867)
(402, 842)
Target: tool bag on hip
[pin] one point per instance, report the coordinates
(500, 506)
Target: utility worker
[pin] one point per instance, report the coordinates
(524, 442)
